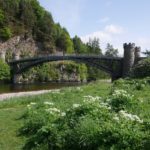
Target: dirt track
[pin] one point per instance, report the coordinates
(20, 94)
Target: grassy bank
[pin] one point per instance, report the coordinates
(12, 110)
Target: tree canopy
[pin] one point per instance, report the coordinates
(142, 69)
(4, 71)
(19, 17)
(111, 51)
(147, 53)
(94, 46)
(79, 46)
(27, 16)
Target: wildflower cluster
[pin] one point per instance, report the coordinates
(120, 100)
(95, 123)
(31, 105)
(134, 84)
(130, 116)
(122, 93)
(79, 89)
(91, 99)
(45, 107)
(49, 103)
(76, 105)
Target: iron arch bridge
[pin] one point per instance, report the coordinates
(111, 65)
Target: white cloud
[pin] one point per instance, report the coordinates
(110, 34)
(113, 29)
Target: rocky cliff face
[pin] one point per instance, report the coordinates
(24, 45)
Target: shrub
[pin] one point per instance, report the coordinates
(131, 84)
(1, 16)
(4, 71)
(92, 124)
(120, 100)
(142, 69)
(56, 71)
(5, 33)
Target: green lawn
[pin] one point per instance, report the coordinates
(9, 124)
(11, 110)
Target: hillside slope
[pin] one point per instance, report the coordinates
(27, 18)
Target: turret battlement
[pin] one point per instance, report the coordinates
(129, 46)
(138, 49)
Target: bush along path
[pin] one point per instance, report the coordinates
(91, 122)
(97, 116)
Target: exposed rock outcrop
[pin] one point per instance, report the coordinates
(23, 44)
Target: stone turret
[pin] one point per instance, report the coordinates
(2, 55)
(137, 54)
(129, 57)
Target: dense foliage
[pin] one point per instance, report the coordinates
(142, 69)
(57, 71)
(63, 71)
(147, 53)
(111, 51)
(4, 71)
(96, 74)
(28, 17)
(114, 122)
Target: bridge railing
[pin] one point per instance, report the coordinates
(64, 57)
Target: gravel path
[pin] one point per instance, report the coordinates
(20, 94)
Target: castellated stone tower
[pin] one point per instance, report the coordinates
(129, 58)
(137, 54)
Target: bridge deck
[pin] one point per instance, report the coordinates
(65, 57)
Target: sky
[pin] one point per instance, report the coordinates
(112, 21)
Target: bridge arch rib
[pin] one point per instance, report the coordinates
(103, 63)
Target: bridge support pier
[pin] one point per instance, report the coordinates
(15, 78)
(113, 78)
(2, 56)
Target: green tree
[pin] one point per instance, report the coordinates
(147, 53)
(19, 17)
(65, 42)
(142, 69)
(5, 33)
(4, 71)
(110, 51)
(94, 46)
(79, 46)
(1, 17)
(57, 31)
(27, 14)
(38, 10)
